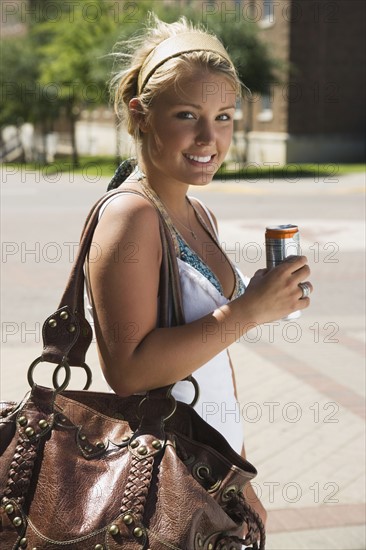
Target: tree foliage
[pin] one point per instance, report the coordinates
(62, 63)
(256, 66)
(71, 57)
(59, 65)
(23, 99)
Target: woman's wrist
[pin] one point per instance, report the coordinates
(237, 317)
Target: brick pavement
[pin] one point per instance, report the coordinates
(306, 445)
(301, 392)
(302, 388)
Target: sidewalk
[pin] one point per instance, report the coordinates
(305, 434)
(301, 384)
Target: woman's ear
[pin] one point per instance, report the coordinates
(137, 111)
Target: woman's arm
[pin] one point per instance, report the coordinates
(135, 355)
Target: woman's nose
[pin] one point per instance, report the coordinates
(205, 134)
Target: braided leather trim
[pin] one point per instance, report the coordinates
(21, 468)
(240, 511)
(137, 487)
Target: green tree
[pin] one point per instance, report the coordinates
(256, 66)
(57, 67)
(71, 54)
(22, 97)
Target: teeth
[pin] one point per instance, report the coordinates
(199, 159)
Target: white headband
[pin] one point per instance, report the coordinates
(176, 45)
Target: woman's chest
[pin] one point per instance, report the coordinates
(207, 257)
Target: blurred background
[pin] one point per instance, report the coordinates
(302, 64)
(298, 156)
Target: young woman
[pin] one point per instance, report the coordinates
(178, 95)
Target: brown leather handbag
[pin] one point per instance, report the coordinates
(82, 470)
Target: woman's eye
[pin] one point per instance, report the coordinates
(185, 114)
(224, 117)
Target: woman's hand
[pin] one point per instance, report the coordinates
(275, 293)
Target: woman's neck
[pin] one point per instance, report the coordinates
(172, 193)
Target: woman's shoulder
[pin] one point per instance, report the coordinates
(129, 217)
(129, 206)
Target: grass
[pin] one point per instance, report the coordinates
(290, 172)
(99, 166)
(90, 166)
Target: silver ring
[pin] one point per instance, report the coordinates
(305, 289)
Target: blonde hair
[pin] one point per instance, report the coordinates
(124, 84)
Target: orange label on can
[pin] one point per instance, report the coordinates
(281, 231)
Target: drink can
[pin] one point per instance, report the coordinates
(282, 241)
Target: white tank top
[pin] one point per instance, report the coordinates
(217, 403)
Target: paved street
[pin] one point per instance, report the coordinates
(301, 384)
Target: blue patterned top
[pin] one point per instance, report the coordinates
(190, 257)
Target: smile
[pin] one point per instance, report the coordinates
(199, 159)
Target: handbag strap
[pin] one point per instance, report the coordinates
(66, 333)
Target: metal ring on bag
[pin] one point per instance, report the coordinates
(205, 476)
(202, 468)
(172, 400)
(229, 491)
(58, 388)
(89, 376)
(174, 408)
(194, 382)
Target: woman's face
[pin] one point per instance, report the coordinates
(190, 129)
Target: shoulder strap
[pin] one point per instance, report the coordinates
(66, 333)
(207, 212)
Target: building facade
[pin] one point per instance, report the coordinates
(316, 112)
